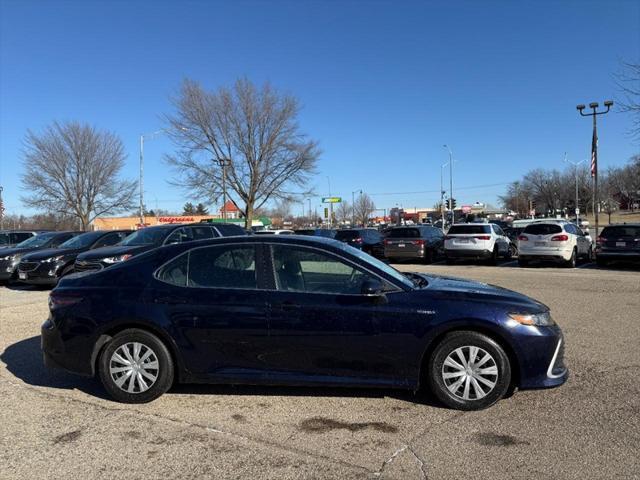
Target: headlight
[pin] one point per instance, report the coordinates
(542, 319)
(116, 259)
(53, 259)
(8, 257)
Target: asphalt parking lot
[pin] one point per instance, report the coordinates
(56, 425)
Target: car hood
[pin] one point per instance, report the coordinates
(104, 252)
(52, 252)
(461, 288)
(14, 250)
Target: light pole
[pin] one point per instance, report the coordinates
(594, 149)
(353, 207)
(575, 168)
(1, 210)
(224, 163)
(450, 178)
(442, 196)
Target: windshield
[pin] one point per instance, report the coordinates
(621, 232)
(543, 229)
(404, 233)
(348, 234)
(472, 229)
(37, 241)
(392, 272)
(82, 240)
(146, 236)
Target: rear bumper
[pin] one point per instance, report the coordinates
(619, 255)
(400, 253)
(542, 258)
(461, 253)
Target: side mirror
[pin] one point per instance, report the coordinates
(372, 287)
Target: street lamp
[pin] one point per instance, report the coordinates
(330, 204)
(575, 168)
(353, 204)
(442, 195)
(594, 148)
(148, 136)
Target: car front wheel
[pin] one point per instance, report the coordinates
(469, 371)
(136, 367)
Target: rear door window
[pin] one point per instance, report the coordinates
(543, 229)
(223, 267)
(200, 233)
(18, 237)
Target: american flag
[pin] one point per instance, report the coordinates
(594, 153)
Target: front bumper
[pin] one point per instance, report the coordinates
(541, 351)
(43, 274)
(73, 356)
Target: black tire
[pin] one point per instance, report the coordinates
(590, 255)
(523, 263)
(571, 263)
(449, 261)
(428, 256)
(493, 259)
(513, 251)
(463, 340)
(164, 373)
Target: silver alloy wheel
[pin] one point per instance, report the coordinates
(470, 373)
(134, 367)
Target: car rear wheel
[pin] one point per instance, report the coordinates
(571, 263)
(493, 259)
(523, 263)
(428, 256)
(469, 371)
(136, 367)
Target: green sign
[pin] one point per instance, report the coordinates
(331, 199)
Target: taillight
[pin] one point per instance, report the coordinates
(599, 240)
(560, 238)
(418, 242)
(448, 237)
(483, 237)
(357, 240)
(523, 238)
(58, 300)
(387, 242)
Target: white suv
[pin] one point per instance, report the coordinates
(555, 241)
(477, 241)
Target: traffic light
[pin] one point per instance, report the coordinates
(452, 203)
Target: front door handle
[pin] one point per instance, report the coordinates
(285, 306)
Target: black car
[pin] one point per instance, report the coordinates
(294, 310)
(150, 238)
(47, 266)
(421, 242)
(316, 232)
(369, 240)
(10, 238)
(618, 243)
(10, 257)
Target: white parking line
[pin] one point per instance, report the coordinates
(508, 263)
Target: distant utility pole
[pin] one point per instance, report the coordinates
(450, 178)
(594, 149)
(575, 168)
(224, 163)
(353, 206)
(1, 210)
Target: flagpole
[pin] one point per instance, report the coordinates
(594, 151)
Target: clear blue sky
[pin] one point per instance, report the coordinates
(384, 84)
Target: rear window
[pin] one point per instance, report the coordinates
(404, 233)
(230, 230)
(472, 229)
(348, 234)
(543, 229)
(622, 231)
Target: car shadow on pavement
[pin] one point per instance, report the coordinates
(24, 360)
(25, 287)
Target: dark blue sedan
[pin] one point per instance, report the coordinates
(296, 311)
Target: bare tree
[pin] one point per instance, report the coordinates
(344, 212)
(629, 86)
(73, 169)
(363, 208)
(255, 131)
